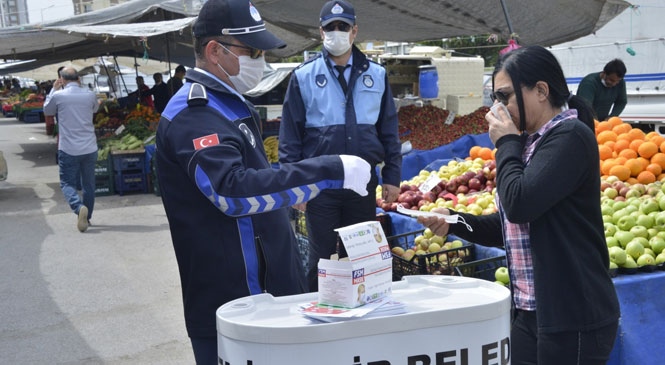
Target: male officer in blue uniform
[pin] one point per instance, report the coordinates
(227, 207)
(340, 103)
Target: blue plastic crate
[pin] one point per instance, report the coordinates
(125, 161)
(31, 117)
(128, 183)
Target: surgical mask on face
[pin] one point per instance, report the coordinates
(336, 42)
(250, 74)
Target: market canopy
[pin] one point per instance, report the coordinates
(162, 29)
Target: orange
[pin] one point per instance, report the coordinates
(661, 177)
(657, 139)
(605, 136)
(494, 154)
(628, 153)
(605, 152)
(473, 152)
(644, 161)
(485, 153)
(615, 121)
(646, 177)
(606, 166)
(635, 166)
(603, 126)
(631, 181)
(647, 149)
(659, 158)
(621, 128)
(621, 145)
(624, 135)
(662, 147)
(620, 171)
(636, 133)
(654, 168)
(635, 144)
(621, 160)
(610, 144)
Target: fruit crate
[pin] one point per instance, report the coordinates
(270, 127)
(436, 263)
(481, 269)
(128, 160)
(103, 168)
(104, 185)
(131, 182)
(32, 116)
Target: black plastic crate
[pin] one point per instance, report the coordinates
(270, 127)
(104, 185)
(436, 263)
(103, 168)
(481, 269)
(128, 160)
(32, 117)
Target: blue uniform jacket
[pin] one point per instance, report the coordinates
(319, 119)
(225, 205)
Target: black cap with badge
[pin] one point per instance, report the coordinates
(337, 10)
(237, 18)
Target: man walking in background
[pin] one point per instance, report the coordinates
(77, 146)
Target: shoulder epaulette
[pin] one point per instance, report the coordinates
(198, 96)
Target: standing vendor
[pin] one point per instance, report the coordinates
(606, 90)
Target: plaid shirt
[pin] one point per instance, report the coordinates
(516, 236)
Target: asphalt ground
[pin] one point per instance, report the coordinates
(110, 295)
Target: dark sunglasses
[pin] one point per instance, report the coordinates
(253, 52)
(501, 96)
(341, 26)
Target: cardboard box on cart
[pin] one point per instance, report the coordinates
(366, 275)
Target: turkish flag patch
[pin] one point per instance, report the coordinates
(206, 141)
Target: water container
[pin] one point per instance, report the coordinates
(429, 82)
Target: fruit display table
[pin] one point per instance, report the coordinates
(416, 160)
(641, 297)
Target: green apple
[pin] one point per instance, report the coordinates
(613, 265)
(626, 222)
(617, 255)
(610, 229)
(624, 237)
(501, 274)
(645, 220)
(611, 193)
(643, 241)
(606, 209)
(649, 205)
(608, 219)
(434, 247)
(661, 201)
(633, 193)
(612, 242)
(428, 233)
(618, 205)
(457, 244)
(659, 222)
(645, 260)
(652, 232)
(630, 263)
(657, 244)
(437, 239)
(648, 251)
(660, 258)
(639, 231)
(634, 249)
(499, 283)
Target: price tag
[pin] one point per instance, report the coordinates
(429, 184)
(119, 130)
(450, 119)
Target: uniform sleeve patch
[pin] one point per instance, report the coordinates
(206, 141)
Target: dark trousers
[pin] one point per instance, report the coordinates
(528, 347)
(205, 350)
(329, 210)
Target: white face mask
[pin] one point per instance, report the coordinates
(250, 74)
(336, 42)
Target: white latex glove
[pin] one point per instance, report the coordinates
(356, 173)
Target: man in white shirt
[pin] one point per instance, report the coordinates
(77, 146)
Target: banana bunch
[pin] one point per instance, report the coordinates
(270, 144)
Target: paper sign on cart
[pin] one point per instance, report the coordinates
(366, 276)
